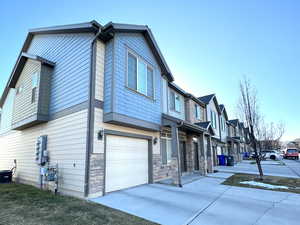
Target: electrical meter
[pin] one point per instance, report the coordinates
(41, 155)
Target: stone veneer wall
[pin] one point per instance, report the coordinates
(96, 173)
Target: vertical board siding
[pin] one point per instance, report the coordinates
(72, 55)
(99, 82)
(108, 74)
(66, 146)
(23, 108)
(128, 102)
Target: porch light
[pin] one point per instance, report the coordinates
(155, 141)
(100, 134)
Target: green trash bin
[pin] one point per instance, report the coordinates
(230, 160)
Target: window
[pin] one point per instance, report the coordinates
(166, 150)
(223, 126)
(197, 112)
(140, 75)
(213, 117)
(34, 85)
(175, 103)
(20, 89)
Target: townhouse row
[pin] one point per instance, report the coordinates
(104, 102)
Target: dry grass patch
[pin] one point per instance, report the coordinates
(24, 204)
(292, 184)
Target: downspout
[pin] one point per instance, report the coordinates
(90, 121)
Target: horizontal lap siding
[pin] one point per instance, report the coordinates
(108, 71)
(72, 55)
(66, 146)
(23, 108)
(128, 102)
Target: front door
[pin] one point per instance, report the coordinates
(183, 156)
(196, 156)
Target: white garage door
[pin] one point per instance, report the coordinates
(126, 162)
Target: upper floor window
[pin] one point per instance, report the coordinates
(223, 124)
(197, 112)
(175, 103)
(140, 75)
(34, 85)
(213, 117)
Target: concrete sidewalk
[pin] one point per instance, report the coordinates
(291, 169)
(206, 202)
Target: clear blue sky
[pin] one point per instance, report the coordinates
(209, 45)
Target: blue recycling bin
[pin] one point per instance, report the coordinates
(222, 160)
(246, 155)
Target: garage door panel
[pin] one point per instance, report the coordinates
(126, 162)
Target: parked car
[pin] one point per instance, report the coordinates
(291, 153)
(271, 154)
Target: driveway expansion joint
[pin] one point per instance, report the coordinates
(203, 210)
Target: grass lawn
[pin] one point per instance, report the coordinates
(293, 184)
(27, 205)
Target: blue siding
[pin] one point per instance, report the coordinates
(72, 55)
(128, 102)
(108, 70)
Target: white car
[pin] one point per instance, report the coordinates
(271, 154)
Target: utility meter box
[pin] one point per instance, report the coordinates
(41, 150)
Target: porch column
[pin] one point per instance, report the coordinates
(239, 152)
(202, 155)
(231, 152)
(190, 156)
(210, 157)
(175, 163)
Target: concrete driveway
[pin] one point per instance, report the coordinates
(206, 202)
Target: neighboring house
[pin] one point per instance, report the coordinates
(213, 112)
(223, 129)
(242, 137)
(185, 137)
(235, 139)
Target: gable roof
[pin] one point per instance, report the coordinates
(222, 108)
(21, 63)
(208, 98)
(177, 88)
(207, 126)
(93, 27)
(234, 122)
(111, 27)
(18, 69)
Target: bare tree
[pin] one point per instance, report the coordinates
(249, 111)
(271, 134)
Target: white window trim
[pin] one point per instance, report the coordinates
(139, 58)
(168, 139)
(199, 111)
(177, 97)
